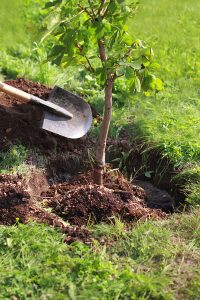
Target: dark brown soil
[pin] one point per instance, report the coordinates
(77, 203)
(17, 205)
(21, 120)
(156, 198)
(75, 200)
(81, 201)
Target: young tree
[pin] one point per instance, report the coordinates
(94, 33)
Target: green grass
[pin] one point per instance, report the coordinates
(154, 260)
(20, 159)
(172, 118)
(11, 25)
(13, 160)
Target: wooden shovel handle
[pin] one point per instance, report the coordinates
(21, 95)
(14, 92)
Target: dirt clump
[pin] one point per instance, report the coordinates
(13, 199)
(76, 203)
(16, 205)
(82, 201)
(36, 182)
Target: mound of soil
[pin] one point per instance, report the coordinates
(17, 205)
(82, 201)
(77, 203)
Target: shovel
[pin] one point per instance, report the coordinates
(64, 113)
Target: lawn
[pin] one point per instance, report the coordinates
(151, 261)
(172, 118)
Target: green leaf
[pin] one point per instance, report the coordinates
(112, 7)
(129, 73)
(128, 40)
(98, 71)
(158, 85)
(121, 70)
(113, 39)
(136, 64)
(153, 83)
(89, 78)
(100, 74)
(9, 242)
(52, 3)
(57, 50)
(137, 84)
(148, 174)
(58, 59)
(148, 82)
(103, 77)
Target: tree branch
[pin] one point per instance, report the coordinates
(102, 51)
(90, 4)
(101, 7)
(80, 48)
(86, 11)
(107, 9)
(90, 65)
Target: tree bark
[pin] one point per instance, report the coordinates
(101, 145)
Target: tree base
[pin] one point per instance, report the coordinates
(98, 175)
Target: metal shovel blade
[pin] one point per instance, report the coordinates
(74, 127)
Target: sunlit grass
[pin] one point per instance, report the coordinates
(11, 23)
(153, 260)
(173, 117)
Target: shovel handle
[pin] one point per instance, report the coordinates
(21, 95)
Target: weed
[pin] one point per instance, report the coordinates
(108, 231)
(13, 160)
(193, 194)
(147, 243)
(189, 179)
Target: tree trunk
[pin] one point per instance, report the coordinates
(101, 145)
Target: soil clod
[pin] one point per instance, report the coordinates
(80, 201)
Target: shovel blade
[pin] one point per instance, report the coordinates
(74, 127)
